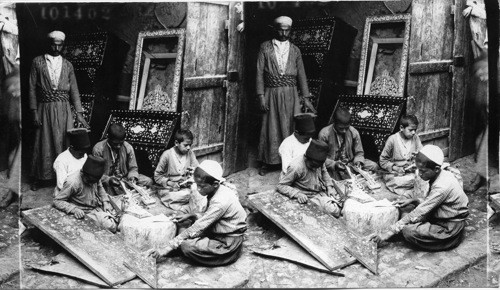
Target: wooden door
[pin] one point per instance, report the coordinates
(437, 81)
(212, 92)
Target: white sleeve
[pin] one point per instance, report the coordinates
(61, 172)
(286, 155)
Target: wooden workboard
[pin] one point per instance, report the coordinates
(64, 264)
(288, 250)
(322, 235)
(99, 250)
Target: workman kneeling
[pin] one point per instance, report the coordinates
(216, 237)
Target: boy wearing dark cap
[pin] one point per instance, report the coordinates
(306, 179)
(120, 160)
(345, 145)
(83, 195)
(296, 144)
(73, 158)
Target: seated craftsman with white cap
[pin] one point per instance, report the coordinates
(438, 221)
(216, 237)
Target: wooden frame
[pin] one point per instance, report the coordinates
(138, 89)
(365, 76)
(171, 106)
(373, 58)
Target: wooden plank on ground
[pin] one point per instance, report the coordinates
(288, 250)
(145, 269)
(66, 265)
(495, 200)
(98, 249)
(322, 235)
(365, 252)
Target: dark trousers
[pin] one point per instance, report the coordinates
(213, 251)
(434, 235)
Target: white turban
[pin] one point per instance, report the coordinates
(434, 153)
(213, 169)
(285, 20)
(57, 35)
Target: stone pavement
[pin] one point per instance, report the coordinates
(399, 265)
(494, 251)
(9, 247)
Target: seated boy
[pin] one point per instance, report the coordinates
(173, 171)
(438, 221)
(297, 143)
(345, 146)
(82, 194)
(177, 162)
(216, 237)
(398, 157)
(307, 179)
(120, 160)
(73, 158)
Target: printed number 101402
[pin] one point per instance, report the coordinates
(78, 12)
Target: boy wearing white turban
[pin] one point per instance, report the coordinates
(216, 237)
(52, 86)
(438, 221)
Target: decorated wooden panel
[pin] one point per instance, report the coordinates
(322, 235)
(85, 50)
(288, 250)
(376, 117)
(325, 45)
(145, 268)
(315, 91)
(313, 34)
(98, 249)
(87, 101)
(372, 112)
(384, 53)
(365, 252)
(157, 70)
(66, 265)
(313, 63)
(86, 54)
(149, 132)
(85, 77)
